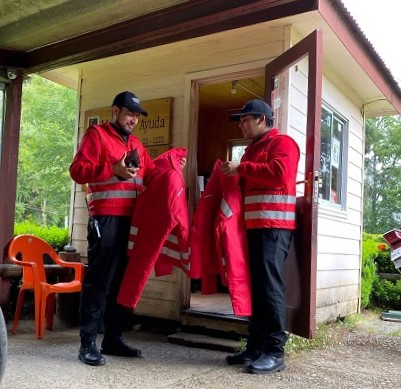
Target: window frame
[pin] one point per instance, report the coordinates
(342, 205)
(235, 142)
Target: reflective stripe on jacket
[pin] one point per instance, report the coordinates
(269, 169)
(114, 194)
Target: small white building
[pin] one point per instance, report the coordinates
(310, 60)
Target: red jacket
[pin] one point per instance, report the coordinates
(218, 242)
(159, 228)
(101, 147)
(269, 167)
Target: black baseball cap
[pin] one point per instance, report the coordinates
(130, 101)
(253, 107)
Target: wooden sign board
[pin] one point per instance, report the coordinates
(155, 151)
(152, 130)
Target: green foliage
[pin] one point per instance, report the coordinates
(369, 275)
(55, 236)
(382, 197)
(375, 291)
(241, 345)
(321, 340)
(387, 294)
(384, 262)
(46, 150)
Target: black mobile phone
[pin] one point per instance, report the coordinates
(132, 159)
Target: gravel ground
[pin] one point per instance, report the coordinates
(364, 355)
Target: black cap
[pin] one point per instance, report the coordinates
(253, 107)
(130, 101)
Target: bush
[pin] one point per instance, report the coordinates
(55, 236)
(369, 275)
(384, 262)
(387, 294)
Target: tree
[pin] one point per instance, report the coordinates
(382, 205)
(46, 149)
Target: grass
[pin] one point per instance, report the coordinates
(241, 345)
(324, 338)
(394, 333)
(350, 322)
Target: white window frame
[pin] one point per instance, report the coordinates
(235, 142)
(341, 206)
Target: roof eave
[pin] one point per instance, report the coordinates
(187, 20)
(343, 24)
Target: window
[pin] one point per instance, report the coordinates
(332, 158)
(236, 149)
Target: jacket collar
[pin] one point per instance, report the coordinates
(266, 136)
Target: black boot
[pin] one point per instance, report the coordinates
(117, 346)
(266, 364)
(89, 354)
(243, 357)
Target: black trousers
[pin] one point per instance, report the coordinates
(107, 261)
(268, 249)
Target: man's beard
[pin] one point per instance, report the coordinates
(125, 129)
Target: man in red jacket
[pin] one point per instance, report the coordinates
(267, 173)
(114, 165)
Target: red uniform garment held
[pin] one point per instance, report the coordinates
(159, 228)
(269, 167)
(101, 147)
(218, 242)
(204, 257)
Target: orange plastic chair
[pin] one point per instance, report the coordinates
(28, 251)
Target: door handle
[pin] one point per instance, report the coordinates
(311, 186)
(316, 182)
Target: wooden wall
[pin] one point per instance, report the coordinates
(214, 131)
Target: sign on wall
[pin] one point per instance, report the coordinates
(152, 131)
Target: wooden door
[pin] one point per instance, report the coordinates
(300, 268)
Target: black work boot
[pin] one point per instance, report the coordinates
(243, 357)
(266, 364)
(89, 354)
(115, 345)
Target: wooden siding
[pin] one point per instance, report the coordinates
(339, 231)
(162, 72)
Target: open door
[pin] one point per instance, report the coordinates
(300, 271)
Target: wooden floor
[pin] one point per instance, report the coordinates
(219, 303)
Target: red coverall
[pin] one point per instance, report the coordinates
(159, 228)
(218, 241)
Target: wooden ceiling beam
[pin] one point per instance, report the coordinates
(12, 58)
(187, 20)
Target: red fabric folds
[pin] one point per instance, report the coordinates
(218, 243)
(159, 228)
